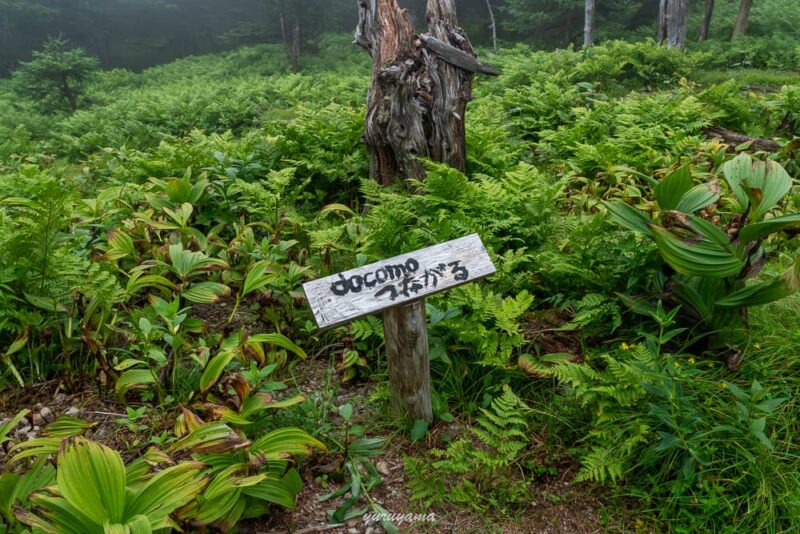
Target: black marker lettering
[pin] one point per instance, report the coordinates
(355, 283)
(340, 287)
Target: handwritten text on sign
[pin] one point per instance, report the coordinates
(342, 297)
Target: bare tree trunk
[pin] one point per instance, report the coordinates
(588, 25)
(290, 28)
(420, 88)
(706, 24)
(742, 19)
(568, 29)
(493, 24)
(662, 21)
(677, 21)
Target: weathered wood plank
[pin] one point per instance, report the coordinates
(406, 335)
(367, 290)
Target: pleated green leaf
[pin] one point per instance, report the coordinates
(133, 379)
(205, 292)
(702, 258)
(91, 478)
(166, 492)
(699, 197)
(628, 216)
(279, 340)
(286, 442)
(214, 370)
(760, 230)
(671, 189)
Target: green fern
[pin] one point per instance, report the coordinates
(482, 475)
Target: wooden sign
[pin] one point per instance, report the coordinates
(398, 287)
(338, 299)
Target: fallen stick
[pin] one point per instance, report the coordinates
(735, 139)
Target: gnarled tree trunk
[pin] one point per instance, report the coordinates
(420, 88)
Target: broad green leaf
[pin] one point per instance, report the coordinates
(703, 258)
(15, 347)
(760, 230)
(346, 411)
(699, 197)
(40, 475)
(700, 293)
(18, 343)
(419, 430)
(765, 292)
(760, 184)
(773, 183)
(8, 487)
(120, 245)
(205, 292)
(278, 340)
(286, 442)
(187, 263)
(770, 405)
(134, 379)
(167, 491)
(214, 369)
(136, 525)
(63, 517)
(138, 281)
(65, 427)
(263, 401)
(128, 363)
(628, 216)
(736, 172)
(45, 303)
(35, 448)
(11, 424)
(669, 190)
(366, 447)
(337, 208)
(278, 492)
(757, 294)
(215, 437)
(91, 477)
(257, 278)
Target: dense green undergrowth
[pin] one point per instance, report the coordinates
(224, 182)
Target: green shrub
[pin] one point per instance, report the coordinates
(711, 259)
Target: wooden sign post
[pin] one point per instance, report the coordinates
(398, 287)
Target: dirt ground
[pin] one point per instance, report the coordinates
(558, 505)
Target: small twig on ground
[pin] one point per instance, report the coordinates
(324, 528)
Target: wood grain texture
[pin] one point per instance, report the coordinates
(406, 335)
(367, 290)
(417, 101)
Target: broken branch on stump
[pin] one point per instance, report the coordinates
(735, 139)
(456, 57)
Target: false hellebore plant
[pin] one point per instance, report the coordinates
(713, 254)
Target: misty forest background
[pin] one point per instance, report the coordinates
(136, 35)
(173, 171)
